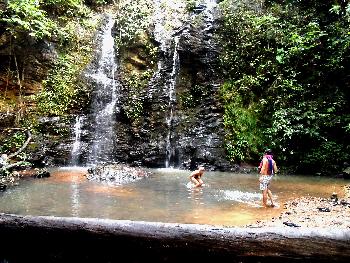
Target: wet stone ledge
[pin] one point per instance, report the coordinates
(58, 239)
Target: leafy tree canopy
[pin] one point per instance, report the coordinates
(285, 64)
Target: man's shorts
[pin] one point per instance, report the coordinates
(265, 182)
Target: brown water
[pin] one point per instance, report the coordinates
(227, 199)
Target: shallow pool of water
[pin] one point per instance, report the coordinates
(227, 199)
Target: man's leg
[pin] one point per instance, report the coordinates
(264, 194)
(270, 196)
(193, 180)
(196, 182)
(200, 182)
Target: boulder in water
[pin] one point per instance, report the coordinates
(3, 187)
(116, 174)
(41, 173)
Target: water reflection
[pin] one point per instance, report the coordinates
(166, 196)
(196, 195)
(75, 199)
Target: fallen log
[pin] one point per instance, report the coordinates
(57, 239)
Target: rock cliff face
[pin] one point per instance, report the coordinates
(167, 112)
(179, 120)
(24, 63)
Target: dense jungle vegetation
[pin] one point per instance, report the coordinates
(69, 25)
(287, 79)
(284, 67)
(66, 25)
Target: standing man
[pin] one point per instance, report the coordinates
(195, 176)
(268, 168)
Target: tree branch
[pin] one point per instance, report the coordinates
(29, 137)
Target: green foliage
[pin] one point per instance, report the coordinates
(191, 5)
(42, 18)
(59, 91)
(65, 8)
(98, 2)
(62, 89)
(133, 41)
(134, 17)
(288, 62)
(325, 158)
(136, 83)
(62, 4)
(243, 136)
(27, 16)
(12, 143)
(192, 97)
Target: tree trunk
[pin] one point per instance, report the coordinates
(53, 239)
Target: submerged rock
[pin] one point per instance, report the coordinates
(3, 187)
(116, 174)
(41, 173)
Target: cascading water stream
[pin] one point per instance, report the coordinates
(209, 7)
(164, 35)
(170, 151)
(75, 152)
(105, 99)
(99, 139)
(169, 40)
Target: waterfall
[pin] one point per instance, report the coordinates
(170, 151)
(181, 125)
(210, 6)
(105, 98)
(167, 17)
(75, 152)
(165, 21)
(169, 28)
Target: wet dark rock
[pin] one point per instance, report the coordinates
(291, 224)
(323, 209)
(116, 174)
(344, 202)
(41, 173)
(196, 134)
(334, 197)
(3, 187)
(34, 58)
(7, 119)
(52, 145)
